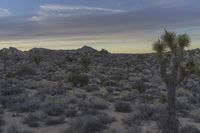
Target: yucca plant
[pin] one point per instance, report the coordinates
(36, 58)
(85, 61)
(175, 72)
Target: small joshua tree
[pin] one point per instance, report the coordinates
(128, 65)
(85, 62)
(4, 58)
(36, 58)
(175, 72)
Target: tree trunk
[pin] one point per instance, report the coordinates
(172, 121)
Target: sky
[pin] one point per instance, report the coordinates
(120, 26)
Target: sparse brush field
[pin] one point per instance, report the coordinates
(87, 91)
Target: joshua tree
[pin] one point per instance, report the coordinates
(4, 58)
(36, 58)
(175, 72)
(85, 62)
(128, 65)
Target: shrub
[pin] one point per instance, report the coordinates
(78, 79)
(70, 58)
(2, 122)
(182, 108)
(53, 91)
(140, 86)
(86, 124)
(162, 122)
(11, 91)
(91, 88)
(145, 112)
(29, 105)
(189, 129)
(133, 119)
(195, 115)
(105, 119)
(134, 129)
(14, 129)
(163, 98)
(31, 120)
(85, 62)
(11, 101)
(25, 71)
(10, 87)
(71, 112)
(123, 107)
(11, 75)
(36, 58)
(86, 109)
(55, 121)
(98, 103)
(54, 107)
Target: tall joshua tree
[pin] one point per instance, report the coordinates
(175, 72)
(4, 58)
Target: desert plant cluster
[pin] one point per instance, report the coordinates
(90, 91)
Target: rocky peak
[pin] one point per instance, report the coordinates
(86, 49)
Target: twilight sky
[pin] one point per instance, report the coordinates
(117, 25)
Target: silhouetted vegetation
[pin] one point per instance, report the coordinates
(176, 44)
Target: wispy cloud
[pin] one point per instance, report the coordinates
(52, 7)
(49, 10)
(137, 26)
(4, 12)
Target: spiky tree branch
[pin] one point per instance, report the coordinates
(170, 42)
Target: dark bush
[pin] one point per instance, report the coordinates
(71, 112)
(53, 91)
(2, 121)
(163, 98)
(86, 124)
(189, 129)
(133, 120)
(91, 88)
(145, 112)
(85, 62)
(36, 58)
(55, 120)
(140, 86)
(25, 71)
(85, 108)
(70, 59)
(162, 122)
(14, 129)
(31, 120)
(134, 129)
(195, 115)
(11, 101)
(11, 75)
(53, 109)
(10, 87)
(29, 105)
(105, 119)
(78, 79)
(98, 103)
(123, 107)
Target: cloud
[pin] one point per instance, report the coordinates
(142, 25)
(50, 10)
(51, 7)
(4, 12)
